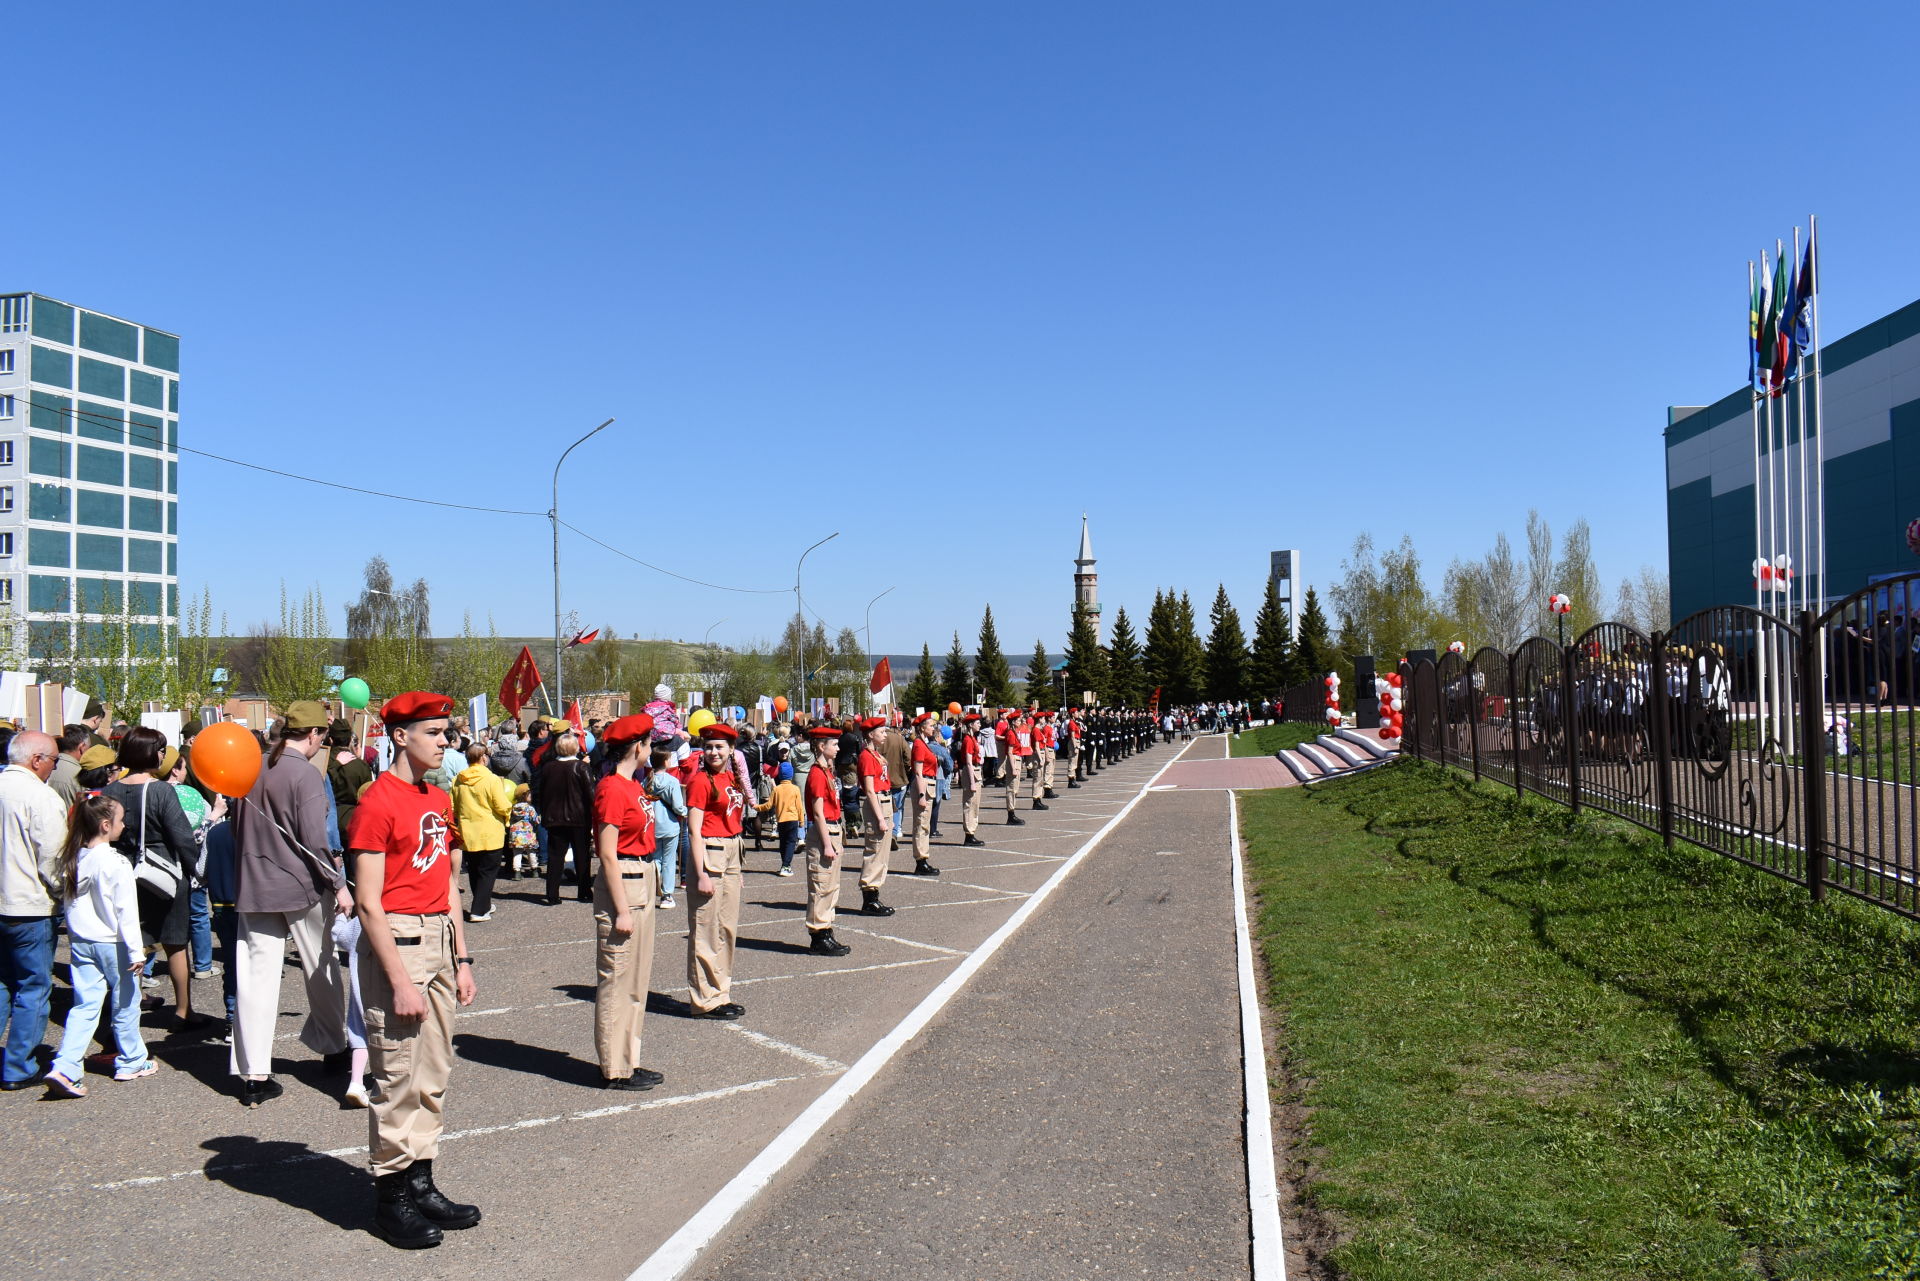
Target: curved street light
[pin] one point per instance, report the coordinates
(553, 514)
(799, 612)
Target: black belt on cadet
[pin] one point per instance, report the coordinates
(633, 858)
(409, 941)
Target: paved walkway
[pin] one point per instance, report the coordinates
(167, 1177)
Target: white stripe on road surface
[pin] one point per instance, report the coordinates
(1263, 1188)
(891, 938)
(680, 1250)
(820, 1061)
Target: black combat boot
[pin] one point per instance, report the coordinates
(972, 840)
(1014, 820)
(432, 1202)
(396, 1219)
(870, 904)
(825, 944)
(925, 867)
(1053, 795)
(1040, 805)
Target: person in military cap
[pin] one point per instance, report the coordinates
(876, 786)
(967, 773)
(1076, 759)
(413, 966)
(1046, 746)
(624, 895)
(922, 786)
(823, 842)
(1011, 764)
(716, 812)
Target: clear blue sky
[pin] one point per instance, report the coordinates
(1228, 277)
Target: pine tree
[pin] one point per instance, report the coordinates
(1124, 673)
(956, 682)
(1271, 669)
(1315, 655)
(1040, 678)
(1226, 661)
(990, 665)
(921, 691)
(1159, 659)
(1086, 661)
(1189, 672)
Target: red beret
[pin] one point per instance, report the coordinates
(405, 709)
(971, 716)
(923, 718)
(628, 728)
(717, 731)
(824, 732)
(873, 722)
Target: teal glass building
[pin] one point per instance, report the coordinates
(89, 480)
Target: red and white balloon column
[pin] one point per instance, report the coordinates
(1456, 647)
(1778, 576)
(1387, 690)
(1333, 698)
(1560, 605)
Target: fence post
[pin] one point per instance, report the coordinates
(1658, 709)
(1813, 754)
(1514, 753)
(1570, 726)
(1473, 716)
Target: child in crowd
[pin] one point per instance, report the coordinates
(669, 816)
(787, 812)
(346, 937)
(103, 923)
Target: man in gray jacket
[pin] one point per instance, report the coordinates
(33, 827)
(288, 883)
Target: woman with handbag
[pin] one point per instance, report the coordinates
(159, 842)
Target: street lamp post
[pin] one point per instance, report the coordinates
(799, 612)
(553, 514)
(869, 627)
(706, 654)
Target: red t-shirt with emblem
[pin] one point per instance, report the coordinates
(1043, 735)
(924, 760)
(624, 804)
(720, 796)
(971, 746)
(821, 787)
(873, 767)
(1023, 737)
(412, 824)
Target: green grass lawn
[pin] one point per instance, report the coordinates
(1265, 740)
(1535, 1045)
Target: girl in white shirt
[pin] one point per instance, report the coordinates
(103, 926)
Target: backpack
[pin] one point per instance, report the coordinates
(520, 834)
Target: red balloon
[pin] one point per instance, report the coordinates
(780, 704)
(1393, 679)
(226, 757)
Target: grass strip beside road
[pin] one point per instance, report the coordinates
(1529, 1044)
(1265, 740)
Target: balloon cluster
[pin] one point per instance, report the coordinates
(1778, 576)
(1387, 690)
(1456, 647)
(1560, 603)
(1333, 698)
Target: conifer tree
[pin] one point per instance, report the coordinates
(1315, 655)
(956, 682)
(1086, 661)
(1158, 660)
(990, 665)
(921, 691)
(1187, 676)
(1271, 669)
(1124, 671)
(1040, 678)
(1226, 651)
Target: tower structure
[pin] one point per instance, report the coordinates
(1086, 579)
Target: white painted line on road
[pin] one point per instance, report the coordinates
(1263, 1186)
(1001, 896)
(680, 1250)
(891, 938)
(825, 974)
(984, 889)
(820, 1061)
(528, 947)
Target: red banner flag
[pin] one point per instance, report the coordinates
(584, 638)
(573, 714)
(521, 680)
(1153, 704)
(882, 676)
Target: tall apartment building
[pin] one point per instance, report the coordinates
(89, 479)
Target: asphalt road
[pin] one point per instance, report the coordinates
(170, 1177)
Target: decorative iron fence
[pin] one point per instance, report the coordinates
(1305, 703)
(1792, 746)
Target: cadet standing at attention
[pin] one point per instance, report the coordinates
(876, 787)
(716, 809)
(623, 899)
(824, 845)
(922, 786)
(967, 772)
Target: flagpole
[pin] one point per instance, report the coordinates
(1756, 326)
(1802, 557)
(1819, 419)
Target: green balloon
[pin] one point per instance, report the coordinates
(354, 692)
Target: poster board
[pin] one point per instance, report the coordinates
(476, 714)
(167, 723)
(75, 705)
(45, 708)
(13, 694)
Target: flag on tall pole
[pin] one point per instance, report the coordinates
(882, 676)
(584, 638)
(521, 680)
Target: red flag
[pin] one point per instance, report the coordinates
(521, 680)
(584, 638)
(573, 714)
(1153, 704)
(882, 676)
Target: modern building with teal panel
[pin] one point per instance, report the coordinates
(1867, 437)
(89, 479)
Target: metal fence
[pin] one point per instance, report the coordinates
(1793, 746)
(1305, 703)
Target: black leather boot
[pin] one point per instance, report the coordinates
(1014, 820)
(1040, 805)
(972, 840)
(825, 944)
(870, 904)
(925, 867)
(432, 1202)
(396, 1219)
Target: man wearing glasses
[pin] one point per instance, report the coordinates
(33, 827)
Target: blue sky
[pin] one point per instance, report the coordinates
(940, 277)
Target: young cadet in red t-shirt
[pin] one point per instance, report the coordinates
(623, 899)
(716, 808)
(877, 788)
(1072, 730)
(922, 788)
(967, 773)
(1009, 764)
(823, 842)
(1047, 743)
(413, 967)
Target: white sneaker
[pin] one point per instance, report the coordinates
(357, 1095)
(786, 871)
(479, 916)
(669, 903)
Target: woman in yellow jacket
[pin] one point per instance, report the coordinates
(482, 803)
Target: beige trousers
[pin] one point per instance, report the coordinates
(920, 811)
(1045, 781)
(1015, 766)
(409, 1060)
(969, 808)
(623, 966)
(716, 924)
(823, 878)
(873, 871)
(259, 953)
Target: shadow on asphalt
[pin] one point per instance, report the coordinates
(534, 1060)
(779, 904)
(294, 1175)
(576, 991)
(748, 943)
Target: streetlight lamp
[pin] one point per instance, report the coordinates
(869, 627)
(553, 514)
(799, 612)
(706, 652)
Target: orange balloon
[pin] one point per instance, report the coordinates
(954, 708)
(780, 704)
(226, 757)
